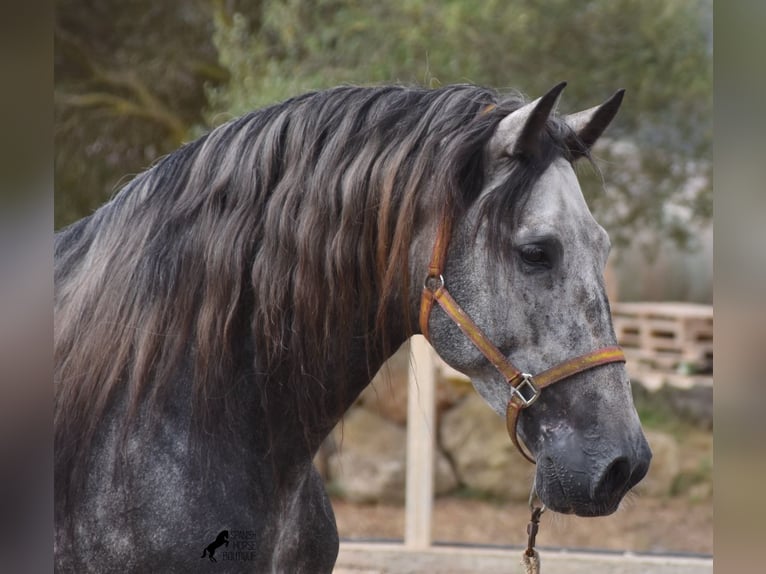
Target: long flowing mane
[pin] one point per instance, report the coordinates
(253, 254)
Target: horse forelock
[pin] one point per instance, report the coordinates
(502, 205)
(261, 250)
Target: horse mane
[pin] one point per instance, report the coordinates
(253, 251)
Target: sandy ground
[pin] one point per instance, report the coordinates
(681, 524)
(673, 525)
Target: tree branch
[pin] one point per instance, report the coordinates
(121, 106)
(146, 104)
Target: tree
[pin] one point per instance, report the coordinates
(659, 50)
(129, 80)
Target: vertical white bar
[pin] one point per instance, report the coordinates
(421, 415)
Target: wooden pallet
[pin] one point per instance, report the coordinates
(666, 337)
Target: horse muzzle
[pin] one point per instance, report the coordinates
(573, 480)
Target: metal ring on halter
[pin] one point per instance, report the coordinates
(429, 282)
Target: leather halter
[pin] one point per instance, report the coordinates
(525, 388)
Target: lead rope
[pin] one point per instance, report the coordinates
(530, 558)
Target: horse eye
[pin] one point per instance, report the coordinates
(535, 256)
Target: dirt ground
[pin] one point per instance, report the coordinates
(640, 525)
(682, 523)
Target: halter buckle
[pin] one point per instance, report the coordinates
(527, 391)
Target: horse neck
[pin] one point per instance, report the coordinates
(328, 398)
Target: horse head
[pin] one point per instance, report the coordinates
(525, 262)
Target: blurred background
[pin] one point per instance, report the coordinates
(135, 80)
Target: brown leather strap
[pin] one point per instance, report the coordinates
(525, 387)
(475, 334)
(435, 269)
(561, 371)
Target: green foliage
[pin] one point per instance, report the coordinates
(689, 478)
(657, 414)
(257, 52)
(335, 489)
(469, 493)
(128, 85)
(656, 49)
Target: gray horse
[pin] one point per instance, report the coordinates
(215, 319)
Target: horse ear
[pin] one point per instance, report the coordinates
(519, 132)
(588, 125)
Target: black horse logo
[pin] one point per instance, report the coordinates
(220, 540)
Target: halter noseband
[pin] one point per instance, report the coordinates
(525, 388)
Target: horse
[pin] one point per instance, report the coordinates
(220, 540)
(216, 318)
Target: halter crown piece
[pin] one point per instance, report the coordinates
(525, 388)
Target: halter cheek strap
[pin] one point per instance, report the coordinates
(525, 388)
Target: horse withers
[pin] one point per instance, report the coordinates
(218, 316)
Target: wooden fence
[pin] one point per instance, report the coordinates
(665, 343)
(670, 343)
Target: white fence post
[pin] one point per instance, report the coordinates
(421, 429)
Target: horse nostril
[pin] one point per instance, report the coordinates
(614, 480)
